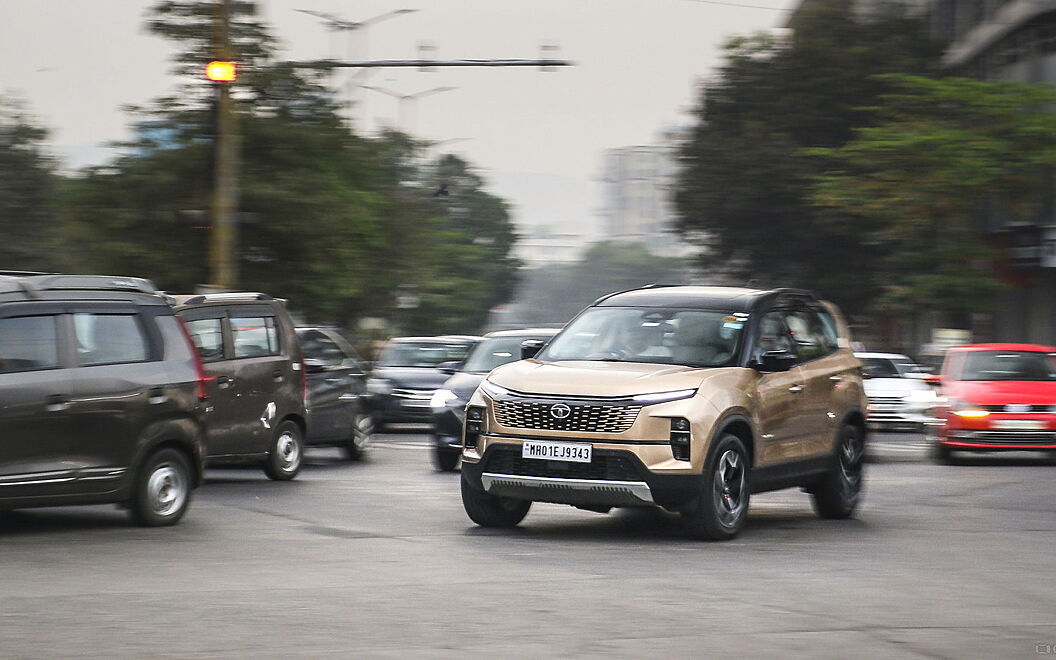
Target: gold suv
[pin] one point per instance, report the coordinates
(685, 397)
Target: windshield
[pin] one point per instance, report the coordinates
(694, 337)
(494, 352)
(421, 354)
(1009, 365)
(889, 368)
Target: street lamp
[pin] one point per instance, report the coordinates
(407, 108)
(337, 24)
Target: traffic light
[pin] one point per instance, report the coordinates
(220, 71)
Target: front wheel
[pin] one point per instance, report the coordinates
(162, 491)
(721, 507)
(445, 459)
(362, 436)
(491, 510)
(287, 452)
(840, 490)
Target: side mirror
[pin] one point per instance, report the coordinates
(314, 365)
(531, 347)
(773, 361)
(448, 367)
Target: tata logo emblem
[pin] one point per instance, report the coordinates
(560, 411)
(1017, 408)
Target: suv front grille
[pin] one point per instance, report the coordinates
(885, 400)
(507, 459)
(584, 418)
(412, 393)
(1006, 437)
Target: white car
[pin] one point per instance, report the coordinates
(898, 394)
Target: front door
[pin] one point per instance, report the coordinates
(779, 396)
(35, 389)
(824, 369)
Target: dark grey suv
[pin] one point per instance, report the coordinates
(101, 397)
(256, 379)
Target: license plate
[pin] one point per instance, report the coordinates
(1018, 424)
(556, 451)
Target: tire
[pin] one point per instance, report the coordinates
(362, 435)
(942, 454)
(286, 453)
(721, 507)
(839, 492)
(446, 460)
(162, 491)
(490, 510)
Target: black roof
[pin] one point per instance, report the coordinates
(78, 287)
(524, 332)
(721, 298)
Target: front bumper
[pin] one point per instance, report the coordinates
(614, 477)
(396, 408)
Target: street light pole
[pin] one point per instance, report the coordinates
(223, 239)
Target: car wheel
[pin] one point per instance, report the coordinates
(362, 435)
(286, 454)
(446, 460)
(162, 491)
(491, 510)
(942, 454)
(840, 490)
(721, 507)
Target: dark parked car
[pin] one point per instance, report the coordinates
(407, 374)
(339, 412)
(101, 397)
(257, 385)
(449, 402)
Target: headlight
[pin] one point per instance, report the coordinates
(493, 389)
(968, 410)
(921, 396)
(657, 397)
(441, 398)
(379, 386)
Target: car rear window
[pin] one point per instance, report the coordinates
(109, 339)
(254, 336)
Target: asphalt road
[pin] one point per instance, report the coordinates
(377, 559)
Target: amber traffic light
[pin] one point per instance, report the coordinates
(220, 71)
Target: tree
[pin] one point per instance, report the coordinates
(747, 179)
(27, 188)
(942, 153)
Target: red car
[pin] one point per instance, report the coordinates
(998, 397)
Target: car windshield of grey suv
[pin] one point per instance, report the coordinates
(421, 354)
(492, 353)
(688, 337)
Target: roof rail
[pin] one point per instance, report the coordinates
(86, 283)
(637, 288)
(234, 295)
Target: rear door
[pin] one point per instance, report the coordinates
(36, 385)
(120, 387)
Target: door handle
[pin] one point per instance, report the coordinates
(157, 395)
(276, 376)
(224, 382)
(836, 379)
(56, 403)
(335, 380)
(795, 389)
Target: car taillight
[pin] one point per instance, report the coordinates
(199, 368)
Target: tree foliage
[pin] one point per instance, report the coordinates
(747, 180)
(27, 188)
(942, 155)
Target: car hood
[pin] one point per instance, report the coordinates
(997, 392)
(893, 386)
(412, 377)
(463, 384)
(590, 378)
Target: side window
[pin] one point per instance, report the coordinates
(109, 339)
(254, 336)
(772, 336)
(812, 338)
(28, 343)
(318, 346)
(208, 337)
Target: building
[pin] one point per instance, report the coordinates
(1010, 40)
(637, 184)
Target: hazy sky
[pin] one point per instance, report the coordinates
(537, 137)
